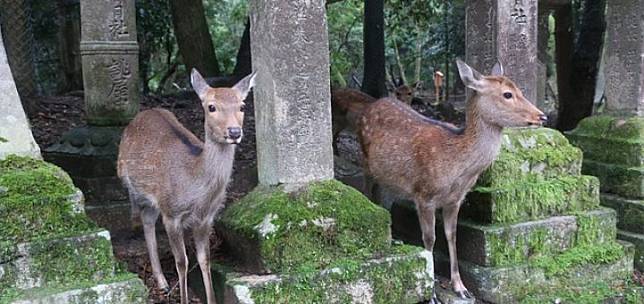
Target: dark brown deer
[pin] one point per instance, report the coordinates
(169, 171)
(433, 163)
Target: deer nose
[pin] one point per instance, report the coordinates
(234, 132)
(543, 118)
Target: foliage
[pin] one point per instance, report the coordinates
(226, 22)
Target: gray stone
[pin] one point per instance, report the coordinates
(15, 133)
(624, 64)
(637, 239)
(292, 95)
(131, 291)
(504, 31)
(630, 212)
(109, 55)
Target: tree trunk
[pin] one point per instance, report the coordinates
(563, 53)
(419, 56)
(243, 66)
(193, 37)
(374, 49)
(69, 38)
(584, 66)
(19, 42)
(402, 80)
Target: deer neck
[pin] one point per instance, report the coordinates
(481, 140)
(215, 162)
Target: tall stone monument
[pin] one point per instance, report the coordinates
(109, 55)
(15, 135)
(307, 238)
(613, 143)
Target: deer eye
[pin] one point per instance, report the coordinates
(212, 108)
(507, 95)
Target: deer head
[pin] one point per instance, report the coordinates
(223, 108)
(500, 102)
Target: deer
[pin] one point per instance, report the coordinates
(433, 163)
(168, 171)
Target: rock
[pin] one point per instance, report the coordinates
(630, 213)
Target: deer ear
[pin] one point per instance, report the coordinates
(198, 83)
(497, 69)
(471, 77)
(244, 85)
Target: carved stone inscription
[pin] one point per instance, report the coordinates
(118, 24)
(624, 59)
(120, 74)
(292, 96)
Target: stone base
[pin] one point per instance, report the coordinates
(630, 212)
(515, 283)
(401, 278)
(636, 239)
(129, 290)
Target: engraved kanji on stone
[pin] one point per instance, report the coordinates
(518, 12)
(120, 73)
(118, 26)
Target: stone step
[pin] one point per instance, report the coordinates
(617, 179)
(514, 283)
(532, 154)
(405, 277)
(64, 261)
(636, 239)
(117, 290)
(524, 201)
(630, 212)
(611, 140)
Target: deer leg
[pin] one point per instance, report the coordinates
(426, 217)
(175, 236)
(201, 236)
(149, 218)
(450, 217)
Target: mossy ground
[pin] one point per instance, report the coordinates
(310, 228)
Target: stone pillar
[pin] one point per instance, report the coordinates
(109, 56)
(504, 31)
(292, 108)
(15, 135)
(613, 143)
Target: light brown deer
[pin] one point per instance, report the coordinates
(433, 163)
(169, 171)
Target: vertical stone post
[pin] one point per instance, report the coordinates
(613, 143)
(109, 53)
(292, 96)
(504, 31)
(109, 58)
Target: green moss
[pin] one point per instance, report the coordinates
(521, 249)
(602, 126)
(593, 293)
(530, 200)
(36, 203)
(3, 140)
(559, 265)
(594, 230)
(621, 180)
(311, 228)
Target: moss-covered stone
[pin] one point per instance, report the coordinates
(403, 277)
(612, 140)
(529, 200)
(637, 239)
(617, 179)
(630, 213)
(38, 201)
(534, 154)
(580, 268)
(278, 231)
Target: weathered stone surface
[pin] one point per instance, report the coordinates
(630, 213)
(637, 239)
(109, 54)
(292, 95)
(533, 154)
(624, 64)
(611, 140)
(504, 31)
(621, 180)
(278, 231)
(129, 290)
(15, 133)
(512, 284)
(406, 277)
(524, 201)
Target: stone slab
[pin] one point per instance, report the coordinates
(15, 132)
(401, 278)
(524, 201)
(630, 213)
(292, 95)
(505, 284)
(131, 291)
(616, 179)
(637, 239)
